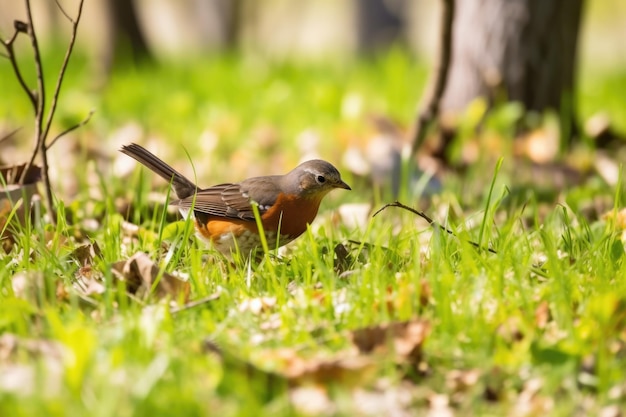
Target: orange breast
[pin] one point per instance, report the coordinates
(291, 215)
(288, 214)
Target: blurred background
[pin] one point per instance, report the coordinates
(261, 85)
(311, 29)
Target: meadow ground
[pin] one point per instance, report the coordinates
(381, 316)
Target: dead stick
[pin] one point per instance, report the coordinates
(429, 220)
(70, 129)
(429, 111)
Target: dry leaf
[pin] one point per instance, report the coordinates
(511, 330)
(350, 371)
(619, 218)
(257, 305)
(405, 338)
(542, 315)
(86, 254)
(530, 402)
(140, 273)
(540, 145)
(607, 168)
(16, 200)
(458, 380)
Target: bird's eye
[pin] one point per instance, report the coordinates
(320, 179)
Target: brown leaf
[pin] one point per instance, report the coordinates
(88, 281)
(258, 305)
(15, 199)
(347, 371)
(140, 273)
(404, 338)
(619, 218)
(539, 145)
(511, 330)
(460, 380)
(86, 254)
(542, 315)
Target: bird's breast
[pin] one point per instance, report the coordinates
(291, 214)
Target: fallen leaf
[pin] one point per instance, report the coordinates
(607, 168)
(404, 338)
(86, 254)
(460, 380)
(539, 145)
(530, 402)
(16, 200)
(257, 305)
(140, 273)
(343, 260)
(542, 315)
(619, 218)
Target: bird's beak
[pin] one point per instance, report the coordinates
(343, 185)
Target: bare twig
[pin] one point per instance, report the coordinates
(432, 98)
(8, 45)
(38, 98)
(66, 60)
(429, 220)
(67, 16)
(70, 129)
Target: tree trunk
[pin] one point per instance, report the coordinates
(517, 50)
(380, 23)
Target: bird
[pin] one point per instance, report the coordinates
(223, 214)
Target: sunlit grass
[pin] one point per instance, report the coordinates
(547, 308)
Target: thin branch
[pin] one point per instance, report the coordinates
(70, 129)
(66, 60)
(429, 220)
(39, 100)
(42, 130)
(8, 45)
(432, 99)
(41, 86)
(67, 16)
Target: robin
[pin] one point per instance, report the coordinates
(223, 213)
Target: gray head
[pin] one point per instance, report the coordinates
(314, 178)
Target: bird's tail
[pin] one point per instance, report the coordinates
(181, 185)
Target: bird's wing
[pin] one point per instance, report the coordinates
(233, 200)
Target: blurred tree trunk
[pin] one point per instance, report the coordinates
(515, 50)
(380, 23)
(126, 40)
(128, 36)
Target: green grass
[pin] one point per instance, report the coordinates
(548, 310)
